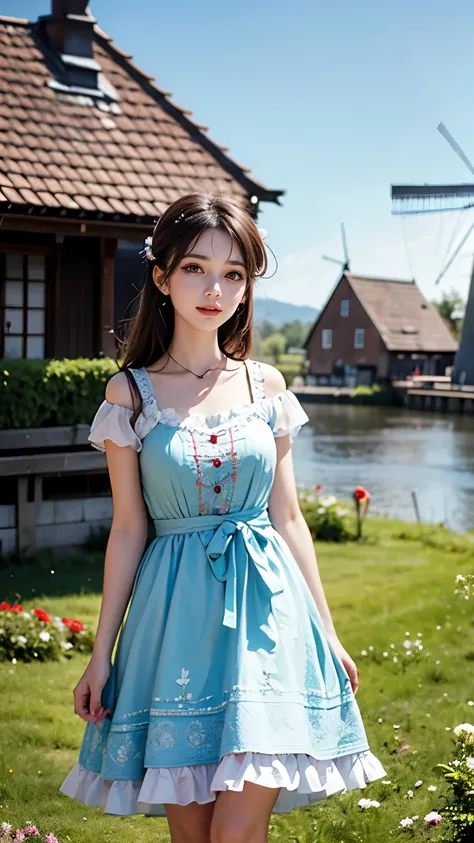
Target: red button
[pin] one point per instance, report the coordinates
(217, 462)
(217, 489)
(213, 438)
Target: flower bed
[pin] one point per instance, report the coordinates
(8, 834)
(35, 635)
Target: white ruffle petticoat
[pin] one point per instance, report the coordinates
(302, 779)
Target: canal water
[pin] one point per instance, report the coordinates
(391, 452)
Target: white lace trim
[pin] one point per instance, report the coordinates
(302, 778)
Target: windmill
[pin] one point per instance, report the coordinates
(345, 262)
(420, 199)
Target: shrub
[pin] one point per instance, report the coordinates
(26, 636)
(324, 516)
(459, 773)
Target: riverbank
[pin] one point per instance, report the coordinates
(401, 580)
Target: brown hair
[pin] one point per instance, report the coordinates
(151, 329)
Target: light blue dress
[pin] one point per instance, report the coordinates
(223, 672)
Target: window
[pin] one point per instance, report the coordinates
(25, 304)
(327, 338)
(359, 338)
(345, 307)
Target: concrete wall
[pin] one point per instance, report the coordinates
(59, 523)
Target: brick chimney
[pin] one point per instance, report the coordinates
(69, 32)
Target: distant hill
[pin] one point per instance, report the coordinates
(280, 312)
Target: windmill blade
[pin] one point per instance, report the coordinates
(332, 260)
(425, 198)
(454, 145)
(455, 254)
(344, 244)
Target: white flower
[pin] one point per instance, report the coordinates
(66, 645)
(419, 783)
(45, 636)
(407, 633)
(13, 661)
(27, 616)
(363, 652)
(385, 654)
(364, 803)
(406, 822)
(410, 794)
(395, 659)
(407, 644)
(415, 817)
(387, 781)
(379, 720)
(396, 726)
(371, 647)
(328, 500)
(470, 763)
(22, 639)
(470, 702)
(464, 727)
(438, 627)
(432, 788)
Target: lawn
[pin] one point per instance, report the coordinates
(401, 580)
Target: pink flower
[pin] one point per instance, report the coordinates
(50, 838)
(19, 835)
(30, 830)
(433, 818)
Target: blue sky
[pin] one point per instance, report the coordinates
(331, 102)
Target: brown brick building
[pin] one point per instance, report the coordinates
(375, 329)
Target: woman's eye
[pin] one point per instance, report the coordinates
(192, 266)
(237, 273)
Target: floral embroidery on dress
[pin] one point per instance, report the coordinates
(195, 733)
(183, 681)
(163, 734)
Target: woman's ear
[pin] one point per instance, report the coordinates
(158, 280)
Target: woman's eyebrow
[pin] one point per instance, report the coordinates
(205, 258)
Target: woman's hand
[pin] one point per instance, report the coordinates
(88, 691)
(346, 660)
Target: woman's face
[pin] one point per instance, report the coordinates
(209, 283)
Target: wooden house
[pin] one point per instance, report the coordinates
(377, 329)
(92, 151)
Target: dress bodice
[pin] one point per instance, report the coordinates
(203, 465)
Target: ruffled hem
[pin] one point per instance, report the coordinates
(302, 778)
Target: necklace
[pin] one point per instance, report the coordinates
(212, 369)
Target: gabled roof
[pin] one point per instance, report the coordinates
(72, 155)
(405, 320)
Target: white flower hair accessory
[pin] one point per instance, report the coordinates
(147, 249)
(263, 232)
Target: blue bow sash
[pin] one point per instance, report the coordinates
(237, 538)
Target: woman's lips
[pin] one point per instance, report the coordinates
(207, 311)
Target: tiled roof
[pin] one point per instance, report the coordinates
(73, 155)
(405, 320)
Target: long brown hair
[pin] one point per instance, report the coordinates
(150, 331)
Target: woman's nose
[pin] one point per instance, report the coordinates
(213, 289)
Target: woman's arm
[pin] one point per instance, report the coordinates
(287, 518)
(128, 531)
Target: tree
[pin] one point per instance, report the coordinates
(451, 308)
(274, 346)
(295, 333)
(267, 328)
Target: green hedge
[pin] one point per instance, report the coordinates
(49, 393)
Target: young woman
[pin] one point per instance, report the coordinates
(230, 695)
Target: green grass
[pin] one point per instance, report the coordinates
(401, 579)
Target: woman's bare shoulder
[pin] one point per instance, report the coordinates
(274, 380)
(118, 391)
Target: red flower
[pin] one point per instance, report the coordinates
(5, 607)
(74, 626)
(17, 608)
(318, 488)
(42, 615)
(361, 494)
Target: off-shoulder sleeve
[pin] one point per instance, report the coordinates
(112, 421)
(286, 414)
